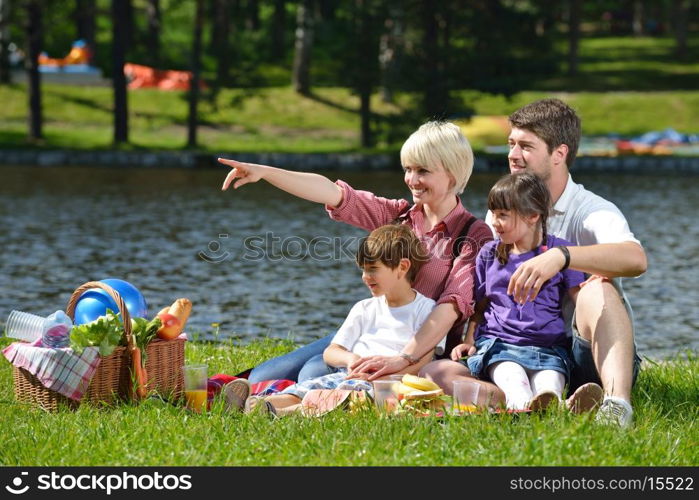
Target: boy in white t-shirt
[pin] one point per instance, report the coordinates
(390, 258)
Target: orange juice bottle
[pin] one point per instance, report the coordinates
(196, 400)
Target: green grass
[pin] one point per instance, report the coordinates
(666, 430)
(628, 63)
(273, 119)
(278, 120)
(626, 113)
(625, 86)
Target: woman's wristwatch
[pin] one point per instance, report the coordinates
(411, 360)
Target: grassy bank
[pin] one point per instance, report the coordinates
(279, 120)
(666, 431)
(624, 85)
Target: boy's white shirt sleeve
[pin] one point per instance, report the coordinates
(351, 328)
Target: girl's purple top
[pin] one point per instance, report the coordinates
(538, 323)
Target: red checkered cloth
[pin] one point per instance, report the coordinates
(59, 370)
(264, 388)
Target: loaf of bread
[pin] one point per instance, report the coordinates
(181, 309)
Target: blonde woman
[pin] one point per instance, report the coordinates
(437, 162)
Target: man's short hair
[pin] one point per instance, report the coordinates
(389, 244)
(554, 122)
(440, 143)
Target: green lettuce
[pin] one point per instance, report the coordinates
(105, 333)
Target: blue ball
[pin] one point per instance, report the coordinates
(94, 303)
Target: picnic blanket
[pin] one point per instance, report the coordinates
(60, 370)
(216, 382)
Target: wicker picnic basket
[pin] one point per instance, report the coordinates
(112, 381)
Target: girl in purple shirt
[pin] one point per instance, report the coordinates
(521, 347)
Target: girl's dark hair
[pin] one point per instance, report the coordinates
(525, 194)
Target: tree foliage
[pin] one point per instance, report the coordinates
(429, 49)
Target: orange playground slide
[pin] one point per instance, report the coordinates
(146, 77)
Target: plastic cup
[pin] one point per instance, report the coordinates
(465, 396)
(195, 378)
(386, 395)
(24, 326)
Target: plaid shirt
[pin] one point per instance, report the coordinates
(59, 370)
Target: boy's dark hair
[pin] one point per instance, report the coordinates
(525, 194)
(554, 122)
(389, 244)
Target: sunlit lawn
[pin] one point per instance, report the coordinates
(666, 430)
(625, 86)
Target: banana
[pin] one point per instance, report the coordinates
(405, 389)
(419, 383)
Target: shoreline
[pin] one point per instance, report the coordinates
(487, 163)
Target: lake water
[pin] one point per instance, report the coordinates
(259, 262)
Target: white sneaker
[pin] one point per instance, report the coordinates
(615, 411)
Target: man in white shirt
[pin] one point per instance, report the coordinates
(544, 140)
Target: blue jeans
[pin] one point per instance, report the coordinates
(300, 364)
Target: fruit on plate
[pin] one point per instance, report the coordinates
(422, 392)
(418, 394)
(174, 318)
(403, 389)
(419, 383)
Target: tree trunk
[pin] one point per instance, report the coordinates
(546, 17)
(85, 12)
(435, 93)
(301, 74)
(327, 9)
(444, 25)
(128, 27)
(366, 48)
(194, 83)
(252, 21)
(573, 36)
(680, 12)
(221, 41)
(390, 51)
(5, 76)
(637, 18)
(34, 42)
(119, 26)
(154, 20)
(278, 30)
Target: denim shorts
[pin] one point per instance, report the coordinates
(584, 369)
(492, 350)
